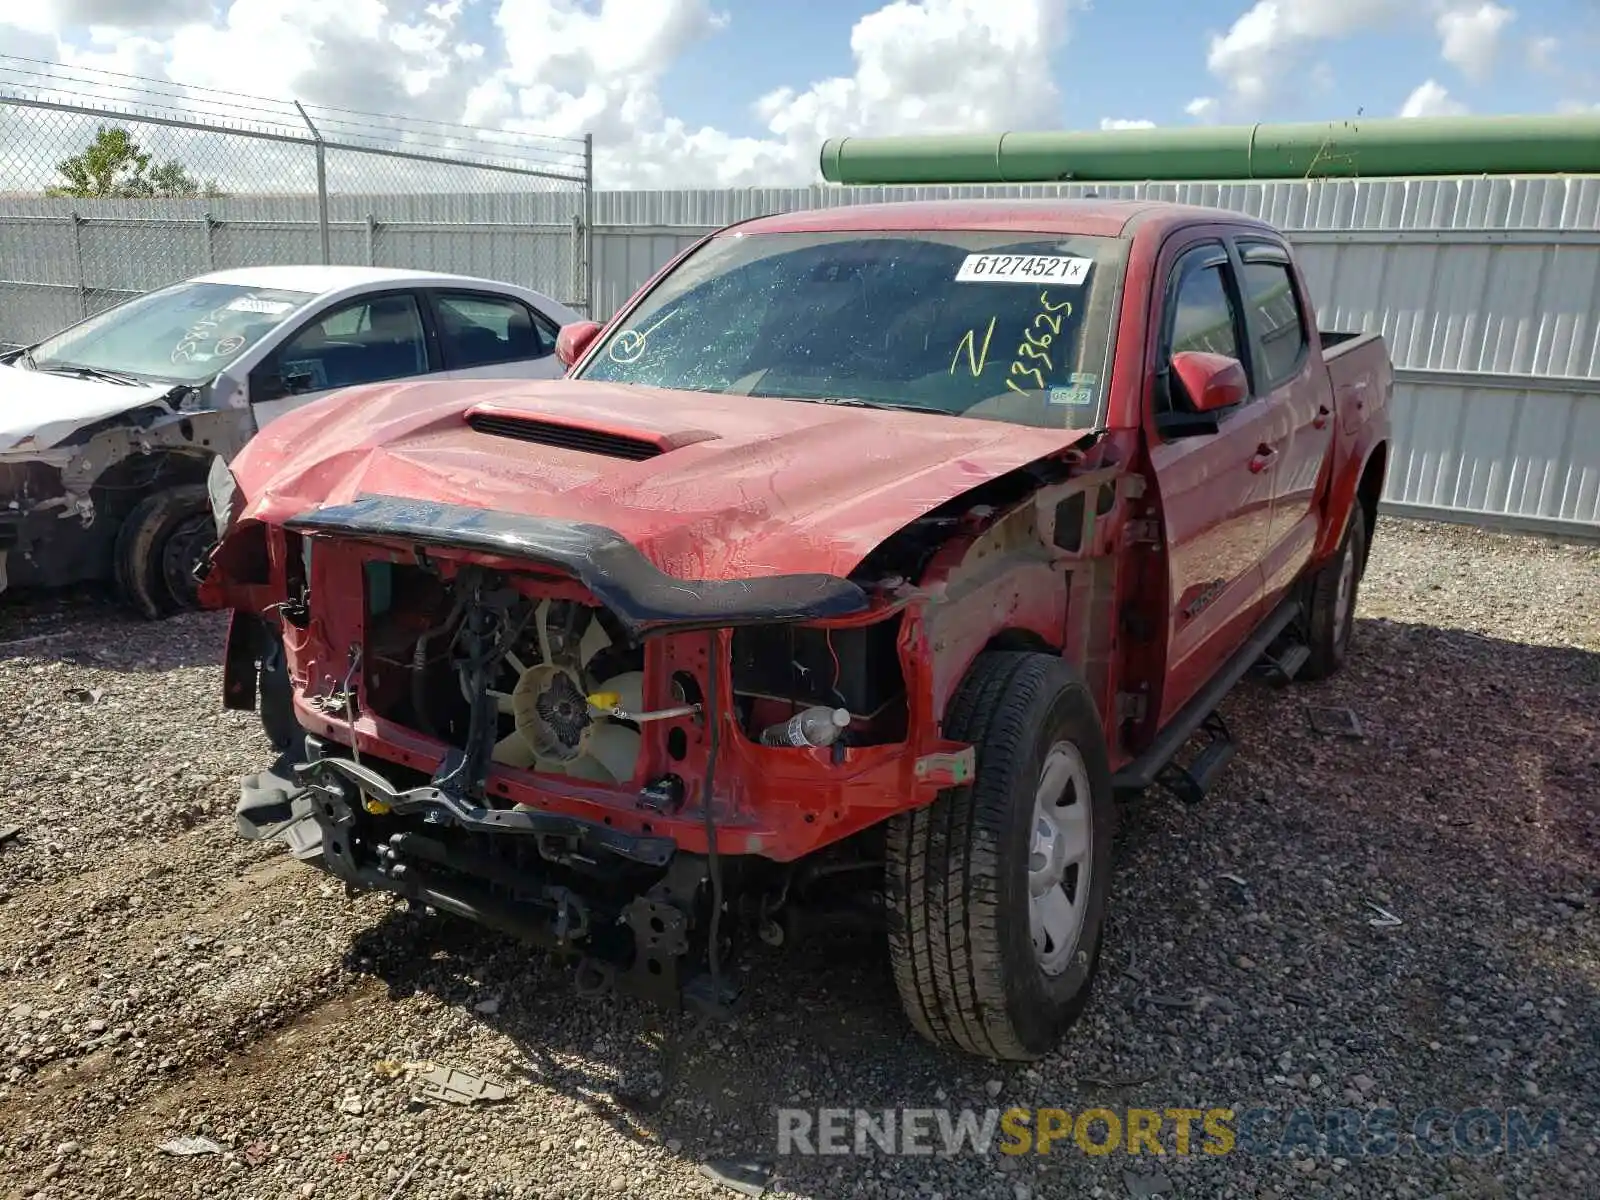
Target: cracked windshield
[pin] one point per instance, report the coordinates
(997, 326)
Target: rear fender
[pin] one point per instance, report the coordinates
(1343, 498)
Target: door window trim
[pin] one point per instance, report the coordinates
(1247, 248)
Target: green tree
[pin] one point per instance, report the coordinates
(114, 167)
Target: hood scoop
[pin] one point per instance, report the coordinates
(606, 441)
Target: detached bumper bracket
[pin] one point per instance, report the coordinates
(274, 807)
(439, 807)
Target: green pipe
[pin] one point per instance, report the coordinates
(1521, 145)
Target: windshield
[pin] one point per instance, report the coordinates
(1001, 326)
(180, 334)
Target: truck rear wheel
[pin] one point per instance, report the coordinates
(1332, 602)
(996, 892)
(158, 546)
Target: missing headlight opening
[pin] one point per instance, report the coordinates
(781, 670)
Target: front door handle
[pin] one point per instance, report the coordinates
(1321, 419)
(1263, 458)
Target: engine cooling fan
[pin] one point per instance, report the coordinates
(553, 728)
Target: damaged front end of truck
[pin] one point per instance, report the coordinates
(524, 721)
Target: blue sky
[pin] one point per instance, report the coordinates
(743, 92)
(714, 82)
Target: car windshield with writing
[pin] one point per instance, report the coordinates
(180, 334)
(1003, 326)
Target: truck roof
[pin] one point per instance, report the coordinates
(1104, 218)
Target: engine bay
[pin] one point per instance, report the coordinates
(562, 685)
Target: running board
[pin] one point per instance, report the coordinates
(1147, 769)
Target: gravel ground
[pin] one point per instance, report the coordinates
(161, 979)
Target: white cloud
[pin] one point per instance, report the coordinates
(931, 67)
(1124, 123)
(1542, 54)
(926, 67)
(1266, 48)
(1431, 99)
(55, 16)
(1202, 108)
(1470, 37)
(1263, 47)
(565, 67)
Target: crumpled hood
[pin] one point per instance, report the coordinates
(746, 486)
(49, 407)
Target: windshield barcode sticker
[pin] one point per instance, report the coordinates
(252, 305)
(1024, 268)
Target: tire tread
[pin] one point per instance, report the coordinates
(135, 570)
(944, 863)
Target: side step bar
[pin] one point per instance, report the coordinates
(1190, 782)
(1280, 666)
(1155, 764)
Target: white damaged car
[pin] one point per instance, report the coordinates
(108, 429)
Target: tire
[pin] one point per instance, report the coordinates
(1332, 602)
(958, 871)
(157, 548)
(276, 698)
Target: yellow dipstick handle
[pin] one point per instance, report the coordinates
(610, 704)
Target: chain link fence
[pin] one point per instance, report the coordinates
(111, 185)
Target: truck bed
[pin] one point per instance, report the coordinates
(1360, 371)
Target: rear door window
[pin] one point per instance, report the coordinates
(1274, 309)
(479, 330)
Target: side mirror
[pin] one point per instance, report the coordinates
(298, 382)
(1210, 381)
(574, 339)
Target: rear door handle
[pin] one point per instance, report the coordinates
(1320, 421)
(1263, 458)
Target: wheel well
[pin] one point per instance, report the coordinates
(1021, 639)
(1370, 490)
(126, 482)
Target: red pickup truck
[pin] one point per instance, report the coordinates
(853, 570)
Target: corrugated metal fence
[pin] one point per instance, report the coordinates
(1488, 291)
(62, 259)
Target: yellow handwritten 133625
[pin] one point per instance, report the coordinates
(1037, 337)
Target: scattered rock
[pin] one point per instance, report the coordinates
(190, 1146)
(162, 967)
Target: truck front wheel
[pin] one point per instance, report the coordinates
(996, 892)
